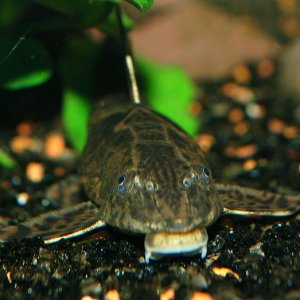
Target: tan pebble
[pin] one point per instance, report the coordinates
(276, 125)
(241, 73)
(243, 95)
(256, 249)
(236, 115)
(290, 132)
(24, 128)
(249, 164)
(205, 141)
(35, 172)
(169, 294)
(54, 145)
(223, 272)
(241, 128)
(88, 297)
(112, 295)
(241, 152)
(255, 111)
(201, 296)
(22, 198)
(265, 68)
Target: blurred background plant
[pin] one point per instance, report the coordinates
(63, 54)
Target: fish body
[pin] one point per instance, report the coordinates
(145, 175)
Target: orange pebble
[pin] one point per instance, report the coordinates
(290, 26)
(169, 294)
(9, 277)
(228, 88)
(24, 128)
(241, 128)
(205, 141)
(35, 172)
(241, 73)
(249, 164)
(265, 68)
(59, 171)
(54, 145)
(20, 144)
(112, 295)
(241, 152)
(287, 6)
(224, 271)
(236, 115)
(240, 94)
(276, 125)
(290, 132)
(201, 296)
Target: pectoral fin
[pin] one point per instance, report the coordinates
(247, 201)
(56, 225)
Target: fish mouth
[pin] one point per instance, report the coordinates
(160, 244)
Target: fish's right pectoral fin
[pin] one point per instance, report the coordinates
(56, 225)
(245, 201)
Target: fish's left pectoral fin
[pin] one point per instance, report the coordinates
(245, 201)
(56, 225)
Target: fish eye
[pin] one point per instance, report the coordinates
(205, 175)
(150, 186)
(121, 184)
(186, 182)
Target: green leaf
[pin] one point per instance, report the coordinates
(142, 5)
(75, 114)
(6, 161)
(24, 63)
(77, 68)
(170, 92)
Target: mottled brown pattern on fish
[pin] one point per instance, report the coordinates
(54, 223)
(141, 144)
(246, 201)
